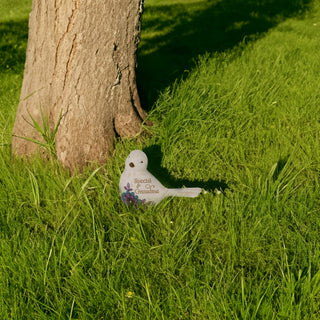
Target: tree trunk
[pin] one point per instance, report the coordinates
(81, 60)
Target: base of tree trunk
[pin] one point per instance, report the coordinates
(80, 63)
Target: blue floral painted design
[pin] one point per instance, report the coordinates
(130, 198)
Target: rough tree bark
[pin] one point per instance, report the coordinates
(81, 60)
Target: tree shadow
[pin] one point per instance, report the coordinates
(155, 156)
(13, 43)
(194, 29)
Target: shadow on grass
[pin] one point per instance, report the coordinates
(171, 43)
(155, 156)
(13, 43)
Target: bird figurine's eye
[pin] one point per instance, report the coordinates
(141, 161)
(131, 164)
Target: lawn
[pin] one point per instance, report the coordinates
(233, 90)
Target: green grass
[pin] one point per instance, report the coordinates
(244, 119)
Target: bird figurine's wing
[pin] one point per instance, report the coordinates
(141, 187)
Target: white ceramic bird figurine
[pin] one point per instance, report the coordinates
(137, 185)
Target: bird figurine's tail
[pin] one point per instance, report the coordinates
(184, 192)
